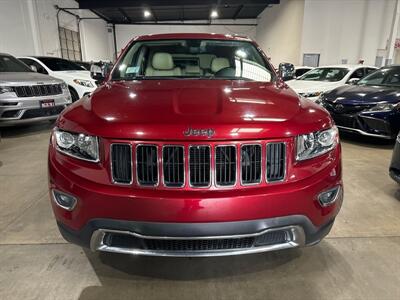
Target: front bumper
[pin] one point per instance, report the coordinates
(367, 124)
(18, 111)
(197, 240)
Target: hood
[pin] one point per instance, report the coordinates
(363, 94)
(164, 109)
(16, 78)
(309, 86)
(76, 74)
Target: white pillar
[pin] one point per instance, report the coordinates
(393, 33)
(33, 21)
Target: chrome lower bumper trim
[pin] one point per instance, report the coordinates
(5, 122)
(295, 238)
(364, 133)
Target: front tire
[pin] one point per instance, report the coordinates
(74, 94)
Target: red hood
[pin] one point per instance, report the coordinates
(164, 109)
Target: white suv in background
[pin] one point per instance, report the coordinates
(324, 79)
(77, 78)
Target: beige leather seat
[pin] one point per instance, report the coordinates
(219, 63)
(193, 71)
(162, 65)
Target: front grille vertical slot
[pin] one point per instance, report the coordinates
(276, 158)
(250, 164)
(173, 166)
(225, 165)
(147, 165)
(121, 163)
(200, 166)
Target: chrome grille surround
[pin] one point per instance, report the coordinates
(211, 180)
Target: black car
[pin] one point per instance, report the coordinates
(394, 169)
(370, 107)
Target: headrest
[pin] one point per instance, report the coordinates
(219, 63)
(162, 61)
(192, 69)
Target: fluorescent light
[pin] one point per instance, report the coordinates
(214, 14)
(147, 13)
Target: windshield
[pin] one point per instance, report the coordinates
(11, 64)
(386, 77)
(193, 58)
(59, 64)
(325, 74)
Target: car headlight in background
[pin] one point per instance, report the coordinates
(313, 94)
(6, 89)
(64, 86)
(78, 145)
(83, 82)
(383, 107)
(316, 143)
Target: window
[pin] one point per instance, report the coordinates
(385, 76)
(11, 64)
(30, 62)
(359, 73)
(59, 64)
(193, 58)
(70, 44)
(325, 74)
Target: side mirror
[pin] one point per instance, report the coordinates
(97, 73)
(286, 71)
(33, 68)
(353, 81)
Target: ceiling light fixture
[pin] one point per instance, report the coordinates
(214, 14)
(147, 13)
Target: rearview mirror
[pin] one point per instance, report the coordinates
(286, 71)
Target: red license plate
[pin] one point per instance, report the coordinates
(47, 103)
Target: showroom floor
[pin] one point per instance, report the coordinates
(360, 259)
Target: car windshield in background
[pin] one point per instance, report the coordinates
(11, 64)
(59, 64)
(325, 74)
(193, 58)
(385, 77)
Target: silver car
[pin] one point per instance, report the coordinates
(27, 96)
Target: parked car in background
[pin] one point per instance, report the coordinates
(27, 96)
(324, 79)
(78, 80)
(370, 107)
(194, 147)
(301, 70)
(394, 169)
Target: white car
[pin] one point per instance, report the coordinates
(301, 70)
(77, 78)
(324, 79)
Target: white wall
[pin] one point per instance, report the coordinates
(346, 29)
(29, 27)
(279, 31)
(125, 33)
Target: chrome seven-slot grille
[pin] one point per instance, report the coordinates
(199, 166)
(38, 90)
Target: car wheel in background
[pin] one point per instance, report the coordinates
(74, 94)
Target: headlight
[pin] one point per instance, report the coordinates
(6, 89)
(78, 145)
(86, 83)
(383, 107)
(316, 143)
(314, 94)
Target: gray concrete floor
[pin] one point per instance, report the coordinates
(360, 259)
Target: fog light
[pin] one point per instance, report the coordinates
(64, 200)
(330, 196)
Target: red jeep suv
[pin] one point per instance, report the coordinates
(194, 147)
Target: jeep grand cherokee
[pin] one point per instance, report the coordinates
(194, 147)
